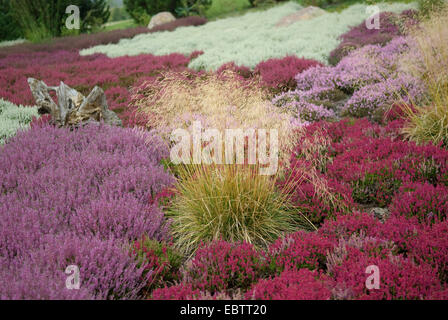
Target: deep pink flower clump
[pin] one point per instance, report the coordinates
(183, 291)
(399, 277)
(114, 76)
(221, 265)
(376, 164)
(423, 200)
(279, 73)
(431, 246)
(299, 250)
(292, 285)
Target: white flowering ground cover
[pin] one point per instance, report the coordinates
(11, 43)
(14, 118)
(250, 39)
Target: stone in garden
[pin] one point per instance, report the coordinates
(380, 213)
(307, 13)
(161, 18)
(72, 108)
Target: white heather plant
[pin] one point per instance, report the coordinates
(14, 118)
(11, 43)
(250, 39)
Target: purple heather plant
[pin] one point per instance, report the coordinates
(106, 269)
(94, 182)
(360, 85)
(392, 25)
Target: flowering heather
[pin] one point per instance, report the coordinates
(379, 164)
(401, 278)
(364, 83)
(85, 41)
(115, 76)
(94, 182)
(317, 197)
(221, 266)
(14, 118)
(249, 39)
(278, 74)
(423, 200)
(183, 291)
(107, 271)
(292, 285)
(160, 260)
(299, 250)
(431, 247)
(392, 25)
(347, 225)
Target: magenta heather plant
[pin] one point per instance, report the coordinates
(423, 200)
(221, 265)
(308, 197)
(183, 291)
(379, 163)
(398, 229)
(94, 181)
(297, 251)
(278, 73)
(345, 226)
(115, 76)
(400, 277)
(292, 285)
(431, 247)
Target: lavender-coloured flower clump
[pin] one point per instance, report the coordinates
(362, 84)
(77, 197)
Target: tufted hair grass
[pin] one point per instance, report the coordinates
(429, 61)
(219, 101)
(231, 203)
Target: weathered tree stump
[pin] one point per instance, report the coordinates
(72, 108)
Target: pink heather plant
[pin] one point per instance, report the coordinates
(278, 73)
(392, 25)
(400, 277)
(376, 164)
(348, 225)
(297, 251)
(107, 271)
(398, 229)
(94, 182)
(292, 285)
(115, 76)
(425, 201)
(183, 291)
(431, 247)
(221, 266)
(362, 84)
